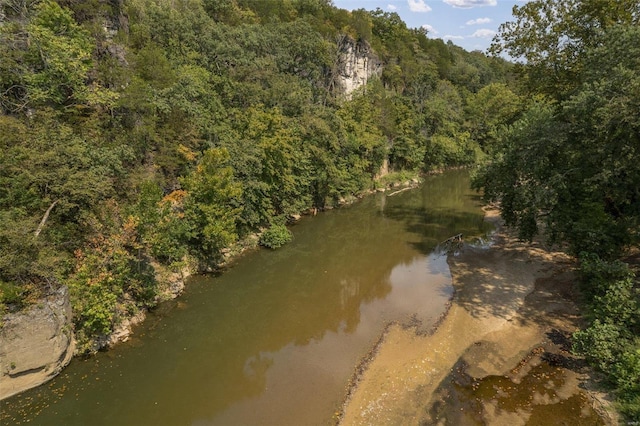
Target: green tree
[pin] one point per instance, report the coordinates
(111, 279)
(489, 111)
(363, 146)
(611, 342)
(551, 38)
(52, 180)
(323, 145)
(407, 144)
(527, 171)
(579, 164)
(448, 144)
(48, 62)
(572, 164)
(211, 207)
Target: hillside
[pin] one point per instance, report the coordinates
(141, 137)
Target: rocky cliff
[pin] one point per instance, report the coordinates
(35, 344)
(357, 64)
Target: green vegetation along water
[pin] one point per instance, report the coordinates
(277, 336)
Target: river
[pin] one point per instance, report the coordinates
(276, 338)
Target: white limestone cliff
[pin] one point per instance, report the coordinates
(357, 64)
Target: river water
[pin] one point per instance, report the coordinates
(275, 339)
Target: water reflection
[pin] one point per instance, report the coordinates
(274, 339)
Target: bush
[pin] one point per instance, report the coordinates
(626, 372)
(597, 274)
(11, 294)
(112, 277)
(611, 342)
(601, 343)
(276, 236)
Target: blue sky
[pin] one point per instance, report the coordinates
(467, 23)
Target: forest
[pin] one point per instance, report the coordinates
(143, 137)
(567, 168)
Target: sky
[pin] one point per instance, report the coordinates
(470, 24)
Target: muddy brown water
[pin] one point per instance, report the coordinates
(537, 399)
(275, 338)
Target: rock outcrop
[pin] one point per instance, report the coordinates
(35, 344)
(357, 64)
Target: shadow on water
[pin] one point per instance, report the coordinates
(444, 208)
(274, 339)
(540, 389)
(436, 225)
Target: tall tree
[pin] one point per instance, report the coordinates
(211, 207)
(576, 169)
(551, 38)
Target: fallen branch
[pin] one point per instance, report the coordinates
(399, 191)
(456, 238)
(451, 244)
(44, 219)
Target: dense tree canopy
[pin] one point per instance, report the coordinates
(568, 166)
(142, 134)
(139, 136)
(574, 164)
(552, 38)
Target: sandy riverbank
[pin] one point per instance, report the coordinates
(499, 357)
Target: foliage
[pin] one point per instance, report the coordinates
(160, 223)
(530, 157)
(612, 340)
(569, 163)
(552, 38)
(276, 236)
(111, 278)
(11, 294)
(573, 166)
(48, 61)
(147, 130)
(491, 109)
(208, 207)
(48, 164)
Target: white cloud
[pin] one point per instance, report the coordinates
(391, 7)
(483, 33)
(430, 29)
(467, 4)
(418, 6)
(479, 21)
(453, 37)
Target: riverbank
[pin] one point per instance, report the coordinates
(37, 343)
(501, 355)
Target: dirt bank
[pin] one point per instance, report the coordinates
(499, 357)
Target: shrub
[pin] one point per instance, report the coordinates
(11, 294)
(611, 342)
(598, 274)
(276, 236)
(111, 274)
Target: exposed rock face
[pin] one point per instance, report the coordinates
(357, 63)
(384, 169)
(113, 23)
(35, 344)
(170, 283)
